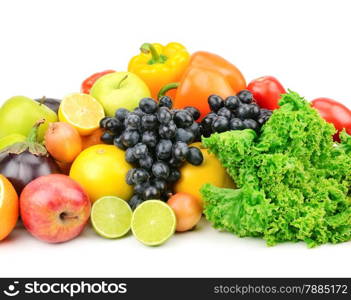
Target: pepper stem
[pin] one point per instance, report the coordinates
(32, 136)
(166, 88)
(121, 81)
(156, 57)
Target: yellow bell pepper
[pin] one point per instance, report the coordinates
(159, 65)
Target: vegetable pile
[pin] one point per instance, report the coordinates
(293, 181)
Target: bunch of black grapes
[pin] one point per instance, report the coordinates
(155, 138)
(233, 113)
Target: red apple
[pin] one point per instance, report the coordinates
(54, 208)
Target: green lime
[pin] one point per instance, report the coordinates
(10, 140)
(111, 217)
(153, 222)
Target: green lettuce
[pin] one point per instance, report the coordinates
(293, 181)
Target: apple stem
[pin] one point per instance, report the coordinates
(156, 58)
(64, 216)
(122, 80)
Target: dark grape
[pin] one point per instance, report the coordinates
(164, 115)
(118, 142)
(148, 105)
(183, 119)
(224, 112)
(195, 156)
(175, 163)
(149, 138)
(114, 125)
(121, 114)
(193, 111)
(164, 149)
(160, 170)
(243, 112)
(254, 110)
(236, 124)
(165, 101)
(135, 201)
(129, 138)
(180, 150)
(160, 184)
(107, 137)
(149, 122)
(146, 162)
(215, 102)
(139, 112)
(132, 121)
(140, 176)
(232, 102)
(129, 176)
(174, 175)
(245, 96)
(251, 124)
(220, 124)
(104, 121)
(167, 131)
(184, 135)
(151, 192)
(129, 156)
(140, 150)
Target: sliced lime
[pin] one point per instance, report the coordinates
(153, 222)
(111, 217)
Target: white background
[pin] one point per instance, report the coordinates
(49, 47)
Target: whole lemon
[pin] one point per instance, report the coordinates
(210, 171)
(101, 170)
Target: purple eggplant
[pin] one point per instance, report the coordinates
(24, 161)
(51, 103)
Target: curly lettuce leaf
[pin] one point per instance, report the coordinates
(293, 182)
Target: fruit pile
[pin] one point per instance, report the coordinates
(155, 139)
(126, 151)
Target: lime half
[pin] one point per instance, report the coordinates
(111, 217)
(153, 222)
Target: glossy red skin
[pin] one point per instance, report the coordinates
(335, 113)
(89, 82)
(45, 199)
(266, 90)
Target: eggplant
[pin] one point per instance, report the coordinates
(51, 103)
(24, 161)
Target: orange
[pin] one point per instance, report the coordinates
(8, 207)
(93, 139)
(82, 111)
(101, 170)
(210, 171)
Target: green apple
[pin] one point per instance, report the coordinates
(19, 114)
(119, 90)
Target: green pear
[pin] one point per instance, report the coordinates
(119, 90)
(18, 115)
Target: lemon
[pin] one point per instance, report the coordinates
(82, 111)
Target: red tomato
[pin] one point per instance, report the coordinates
(266, 91)
(334, 112)
(88, 83)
